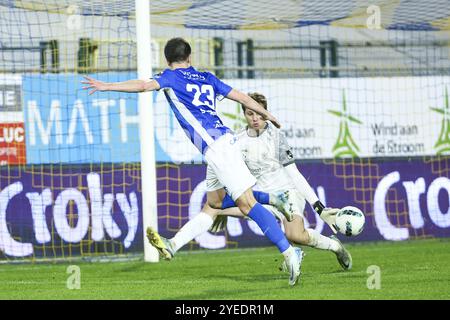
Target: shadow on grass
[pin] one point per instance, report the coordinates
(219, 294)
(250, 278)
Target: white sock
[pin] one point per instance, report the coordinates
(288, 252)
(316, 240)
(193, 228)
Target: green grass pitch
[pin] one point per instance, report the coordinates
(409, 270)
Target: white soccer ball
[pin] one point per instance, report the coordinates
(350, 221)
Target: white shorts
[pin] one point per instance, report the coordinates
(226, 168)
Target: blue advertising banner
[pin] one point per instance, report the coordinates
(52, 211)
(63, 124)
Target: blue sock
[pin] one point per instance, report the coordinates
(260, 197)
(269, 225)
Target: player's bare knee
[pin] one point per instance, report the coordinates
(215, 204)
(289, 234)
(297, 236)
(246, 201)
(212, 212)
(303, 237)
(244, 206)
(215, 198)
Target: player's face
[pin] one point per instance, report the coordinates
(254, 120)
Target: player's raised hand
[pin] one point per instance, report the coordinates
(329, 216)
(94, 85)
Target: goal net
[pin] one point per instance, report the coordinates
(361, 89)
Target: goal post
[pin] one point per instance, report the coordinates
(146, 132)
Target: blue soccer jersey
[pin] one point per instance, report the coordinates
(192, 96)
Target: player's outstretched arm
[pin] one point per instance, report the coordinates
(327, 214)
(301, 183)
(126, 86)
(248, 102)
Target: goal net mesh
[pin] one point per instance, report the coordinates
(360, 87)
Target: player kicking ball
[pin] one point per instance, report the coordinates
(270, 159)
(192, 97)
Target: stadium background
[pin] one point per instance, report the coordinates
(363, 102)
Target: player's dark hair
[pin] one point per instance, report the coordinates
(177, 50)
(258, 97)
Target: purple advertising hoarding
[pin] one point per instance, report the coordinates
(402, 199)
(61, 211)
(66, 210)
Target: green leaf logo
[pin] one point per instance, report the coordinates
(345, 146)
(442, 146)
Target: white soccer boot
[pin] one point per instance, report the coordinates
(283, 203)
(283, 266)
(293, 264)
(161, 244)
(343, 255)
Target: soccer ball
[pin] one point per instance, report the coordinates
(350, 221)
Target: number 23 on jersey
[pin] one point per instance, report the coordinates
(206, 89)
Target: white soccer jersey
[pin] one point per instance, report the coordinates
(265, 155)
